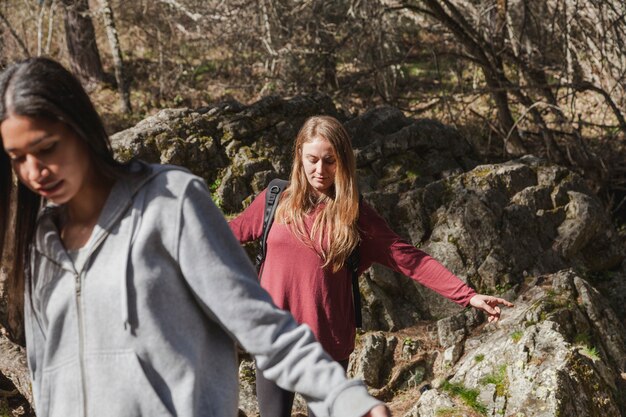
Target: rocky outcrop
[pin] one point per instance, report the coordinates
(494, 226)
(236, 149)
(560, 352)
(526, 229)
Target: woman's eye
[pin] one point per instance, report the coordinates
(17, 159)
(47, 149)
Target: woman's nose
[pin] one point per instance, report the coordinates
(35, 169)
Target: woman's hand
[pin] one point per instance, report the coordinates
(489, 305)
(378, 411)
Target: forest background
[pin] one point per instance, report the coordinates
(514, 77)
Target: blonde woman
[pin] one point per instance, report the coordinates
(318, 223)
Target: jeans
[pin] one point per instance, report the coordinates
(275, 401)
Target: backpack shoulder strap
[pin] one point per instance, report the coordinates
(274, 189)
(352, 263)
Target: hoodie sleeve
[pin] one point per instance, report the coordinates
(224, 282)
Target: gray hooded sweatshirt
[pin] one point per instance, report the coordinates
(146, 325)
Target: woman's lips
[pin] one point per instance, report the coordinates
(49, 188)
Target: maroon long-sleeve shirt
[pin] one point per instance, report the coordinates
(294, 277)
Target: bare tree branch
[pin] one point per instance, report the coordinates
(14, 35)
(181, 8)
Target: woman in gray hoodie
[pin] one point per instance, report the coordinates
(136, 290)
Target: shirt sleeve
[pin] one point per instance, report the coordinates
(248, 226)
(224, 282)
(382, 245)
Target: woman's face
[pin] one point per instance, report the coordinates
(47, 156)
(320, 163)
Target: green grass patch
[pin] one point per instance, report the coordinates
(502, 288)
(479, 358)
(517, 335)
(215, 185)
(448, 412)
(586, 348)
(412, 175)
(499, 379)
(591, 352)
(468, 395)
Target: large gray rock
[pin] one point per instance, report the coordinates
(612, 284)
(434, 404)
(248, 405)
(374, 360)
(559, 352)
(237, 149)
(492, 226)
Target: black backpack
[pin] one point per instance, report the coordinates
(274, 190)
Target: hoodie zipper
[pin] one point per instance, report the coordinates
(81, 327)
(80, 318)
(81, 343)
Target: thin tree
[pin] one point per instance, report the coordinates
(80, 37)
(116, 51)
(487, 56)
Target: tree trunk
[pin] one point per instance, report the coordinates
(329, 60)
(490, 63)
(50, 26)
(513, 142)
(325, 43)
(42, 10)
(80, 37)
(116, 51)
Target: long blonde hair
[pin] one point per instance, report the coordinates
(335, 228)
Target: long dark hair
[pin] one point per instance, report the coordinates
(42, 88)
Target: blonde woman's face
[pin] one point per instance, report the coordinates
(320, 164)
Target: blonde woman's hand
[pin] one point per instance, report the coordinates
(490, 305)
(379, 411)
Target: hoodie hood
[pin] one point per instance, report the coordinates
(127, 194)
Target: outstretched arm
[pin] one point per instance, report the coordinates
(490, 305)
(382, 245)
